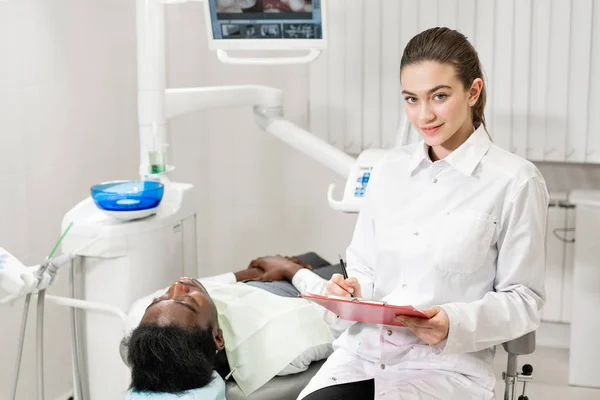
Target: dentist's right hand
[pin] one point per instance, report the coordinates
(338, 286)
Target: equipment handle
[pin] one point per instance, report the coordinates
(227, 59)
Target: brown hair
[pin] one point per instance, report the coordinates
(448, 46)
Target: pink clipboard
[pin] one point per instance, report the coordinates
(362, 310)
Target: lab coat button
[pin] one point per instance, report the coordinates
(404, 285)
(389, 332)
(416, 233)
(382, 366)
(435, 180)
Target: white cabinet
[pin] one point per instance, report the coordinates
(584, 349)
(559, 259)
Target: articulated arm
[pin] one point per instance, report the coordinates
(19, 280)
(268, 111)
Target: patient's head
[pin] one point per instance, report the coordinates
(186, 304)
(173, 349)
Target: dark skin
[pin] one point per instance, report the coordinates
(188, 304)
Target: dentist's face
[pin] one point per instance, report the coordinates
(437, 104)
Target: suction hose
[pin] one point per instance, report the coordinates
(40, 344)
(75, 338)
(13, 392)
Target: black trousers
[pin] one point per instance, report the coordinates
(363, 390)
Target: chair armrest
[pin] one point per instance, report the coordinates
(520, 346)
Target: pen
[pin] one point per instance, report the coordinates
(344, 272)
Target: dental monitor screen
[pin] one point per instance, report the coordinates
(266, 24)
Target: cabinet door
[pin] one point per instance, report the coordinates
(567, 300)
(555, 249)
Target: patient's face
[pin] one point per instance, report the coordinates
(186, 303)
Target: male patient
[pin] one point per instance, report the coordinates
(179, 344)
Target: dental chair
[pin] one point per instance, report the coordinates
(289, 387)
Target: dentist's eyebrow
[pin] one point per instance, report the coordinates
(430, 91)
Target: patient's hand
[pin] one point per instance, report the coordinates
(278, 268)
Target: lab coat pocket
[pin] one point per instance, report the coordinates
(463, 241)
(423, 357)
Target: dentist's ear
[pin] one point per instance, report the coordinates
(475, 91)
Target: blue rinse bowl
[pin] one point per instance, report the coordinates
(128, 195)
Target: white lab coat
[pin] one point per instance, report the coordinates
(465, 233)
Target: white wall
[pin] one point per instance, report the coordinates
(68, 120)
(258, 196)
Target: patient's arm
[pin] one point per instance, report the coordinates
(270, 268)
(278, 268)
(233, 277)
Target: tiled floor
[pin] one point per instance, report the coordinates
(550, 376)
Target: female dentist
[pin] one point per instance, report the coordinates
(453, 225)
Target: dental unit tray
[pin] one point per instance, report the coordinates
(128, 200)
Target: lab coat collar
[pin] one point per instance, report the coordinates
(465, 158)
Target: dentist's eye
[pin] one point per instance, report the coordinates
(440, 96)
(410, 100)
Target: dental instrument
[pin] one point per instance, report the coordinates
(42, 275)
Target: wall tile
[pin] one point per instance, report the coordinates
(12, 143)
(14, 214)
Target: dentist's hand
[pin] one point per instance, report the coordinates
(433, 330)
(338, 286)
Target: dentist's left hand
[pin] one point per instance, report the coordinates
(433, 330)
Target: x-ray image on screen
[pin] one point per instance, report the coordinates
(250, 6)
(266, 19)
